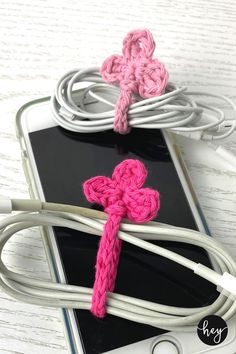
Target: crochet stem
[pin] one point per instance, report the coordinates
(106, 265)
(121, 110)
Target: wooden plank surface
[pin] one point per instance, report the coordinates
(39, 41)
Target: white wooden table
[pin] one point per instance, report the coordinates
(39, 41)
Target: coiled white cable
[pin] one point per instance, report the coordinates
(91, 109)
(176, 110)
(36, 291)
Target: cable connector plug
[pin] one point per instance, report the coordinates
(65, 113)
(224, 153)
(5, 205)
(195, 135)
(227, 285)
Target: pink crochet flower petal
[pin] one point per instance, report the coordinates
(112, 69)
(97, 189)
(142, 204)
(152, 78)
(129, 173)
(138, 44)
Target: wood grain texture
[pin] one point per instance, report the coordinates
(39, 41)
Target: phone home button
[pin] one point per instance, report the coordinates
(165, 347)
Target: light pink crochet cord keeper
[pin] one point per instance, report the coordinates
(135, 72)
(121, 196)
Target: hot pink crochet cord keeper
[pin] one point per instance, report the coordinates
(121, 196)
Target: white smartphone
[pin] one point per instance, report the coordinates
(56, 163)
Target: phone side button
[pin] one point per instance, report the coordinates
(165, 347)
(24, 165)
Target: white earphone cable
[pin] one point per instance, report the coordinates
(91, 109)
(35, 291)
(175, 110)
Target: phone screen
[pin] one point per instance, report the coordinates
(64, 161)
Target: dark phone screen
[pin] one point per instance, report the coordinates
(64, 161)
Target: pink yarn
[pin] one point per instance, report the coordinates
(121, 196)
(135, 72)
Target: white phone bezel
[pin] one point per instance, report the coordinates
(36, 115)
